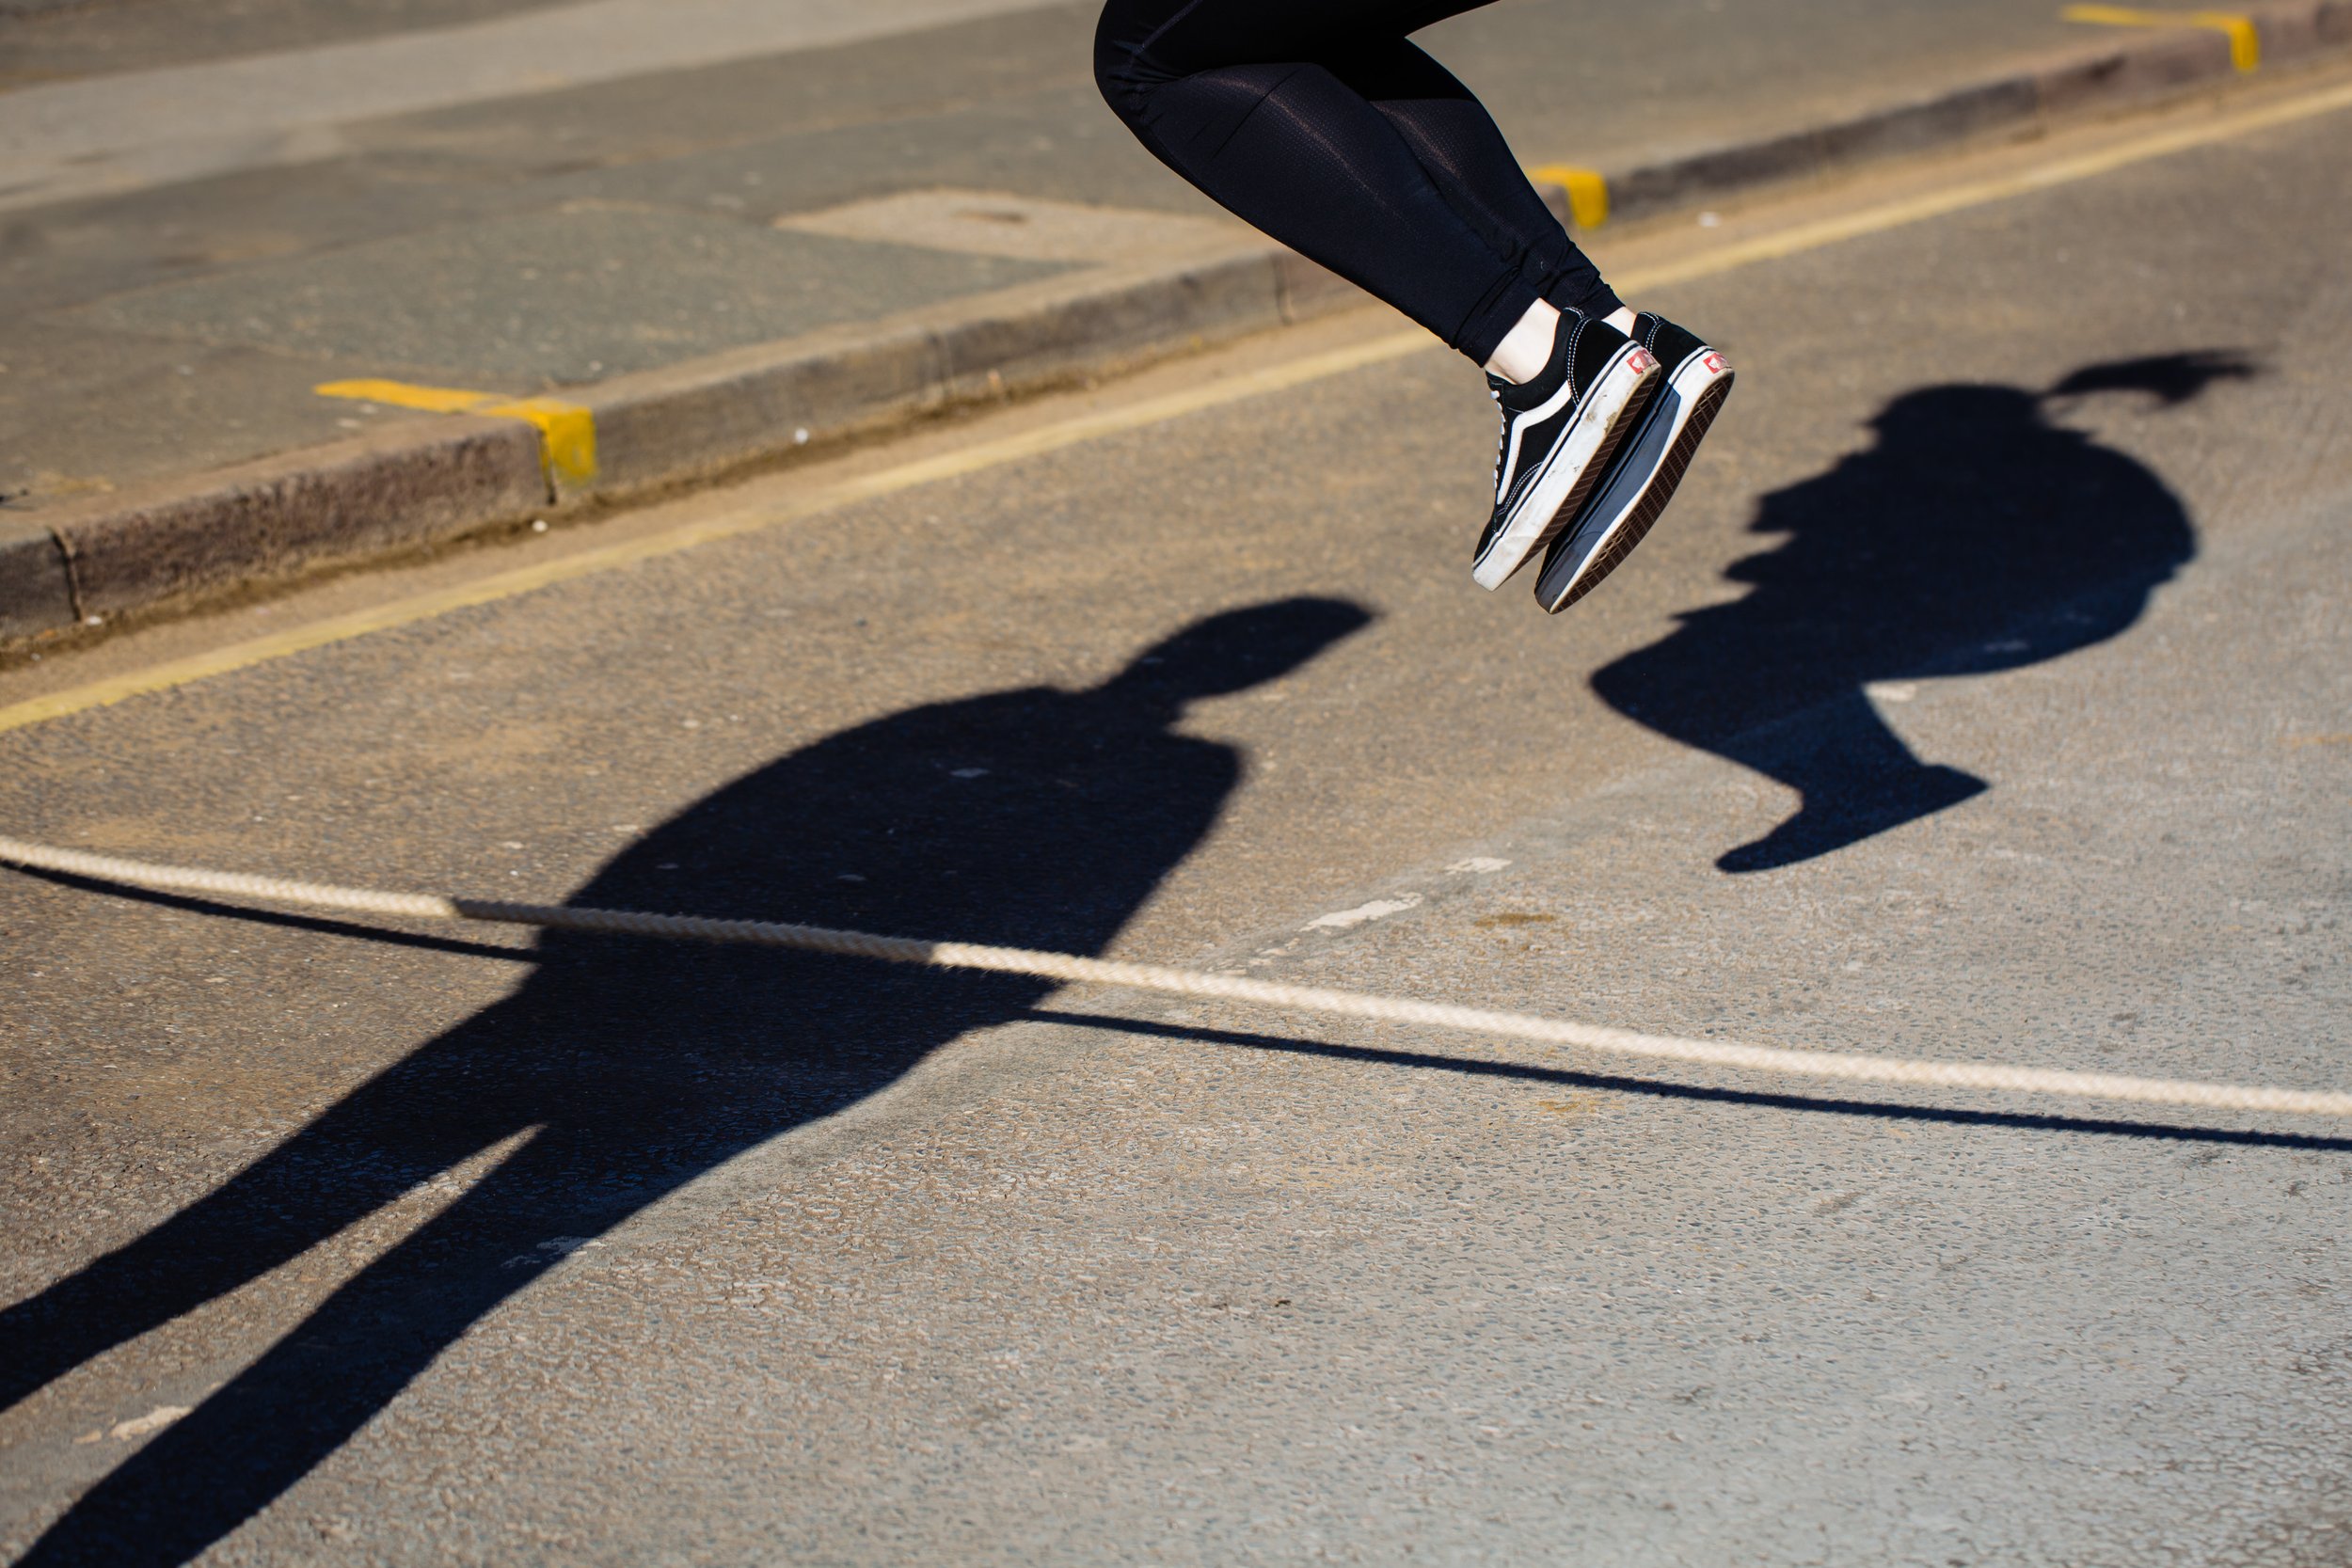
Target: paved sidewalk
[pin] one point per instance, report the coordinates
(191, 248)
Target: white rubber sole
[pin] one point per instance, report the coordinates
(1658, 450)
(1574, 466)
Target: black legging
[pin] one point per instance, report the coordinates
(1317, 123)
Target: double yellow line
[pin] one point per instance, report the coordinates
(983, 455)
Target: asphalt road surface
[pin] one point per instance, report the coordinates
(1988, 694)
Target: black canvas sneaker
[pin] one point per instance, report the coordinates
(1649, 464)
(1558, 432)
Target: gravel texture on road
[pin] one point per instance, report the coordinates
(1985, 694)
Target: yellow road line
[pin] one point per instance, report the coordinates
(1588, 191)
(568, 432)
(2246, 40)
(977, 458)
(1977, 192)
(983, 455)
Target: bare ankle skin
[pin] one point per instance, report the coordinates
(1526, 349)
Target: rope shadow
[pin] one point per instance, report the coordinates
(316, 925)
(1297, 1045)
(1655, 1089)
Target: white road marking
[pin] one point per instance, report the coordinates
(1379, 909)
(154, 1420)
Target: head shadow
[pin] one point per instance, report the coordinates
(1974, 534)
(1037, 817)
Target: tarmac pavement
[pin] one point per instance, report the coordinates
(1985, 694)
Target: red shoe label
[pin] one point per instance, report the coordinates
(1714, 363)
(1641, 361)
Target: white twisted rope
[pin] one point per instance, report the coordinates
(1070, 968)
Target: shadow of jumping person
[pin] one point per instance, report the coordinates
(1976, 535)
(1037, 818)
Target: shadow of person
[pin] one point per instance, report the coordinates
(1976, 535)
(1037, 818)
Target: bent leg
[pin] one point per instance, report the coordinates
(1234, 96)
(1458, 145)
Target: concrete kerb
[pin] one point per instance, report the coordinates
(405, 485)
(432, 480)
(699, 420)
(439, 478)
(34, 595)
(2106, 73)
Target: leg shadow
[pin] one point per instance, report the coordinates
(1038, 818)
(1975, 535)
